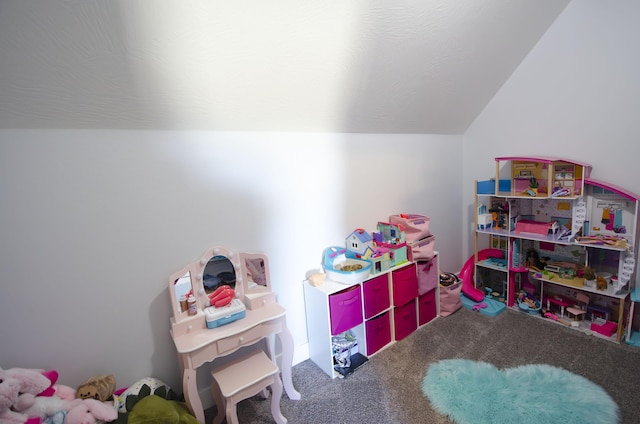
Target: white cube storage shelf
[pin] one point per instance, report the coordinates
(380, 311)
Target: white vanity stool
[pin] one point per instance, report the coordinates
(242, 378)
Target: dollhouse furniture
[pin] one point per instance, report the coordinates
(580, 309)
(572, 218)
(242, 378)
(196, 344)
(598, 311)
(560, 301)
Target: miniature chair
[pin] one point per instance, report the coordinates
(579, 311)
(242, 378)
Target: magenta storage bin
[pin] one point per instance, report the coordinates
(378, 333)
(405, 284)
(405, 320)
(427, 307)
(428, 277)
(376, 295)
(345, 309)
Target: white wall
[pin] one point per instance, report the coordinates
(93, 223)
(577, 95)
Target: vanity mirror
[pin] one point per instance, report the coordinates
(218, 271)
(247, 273)
(217, 266)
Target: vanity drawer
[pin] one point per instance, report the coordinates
(245, 338)
(257, 300)
(405, 285)
(376, 295)
(345, 309)
(378, 333)
(405, 320)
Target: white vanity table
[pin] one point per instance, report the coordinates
(196, 344)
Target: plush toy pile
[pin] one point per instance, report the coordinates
(32, 396)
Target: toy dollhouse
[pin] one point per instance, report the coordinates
(385, 249)
(569, 241)
(391, 236)
(360, 243)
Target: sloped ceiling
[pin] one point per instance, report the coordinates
(369, 66)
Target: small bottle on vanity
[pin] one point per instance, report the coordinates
(183, 303)
(191, 302)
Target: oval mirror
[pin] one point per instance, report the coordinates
(219, 271)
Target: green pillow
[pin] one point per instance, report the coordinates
(153, 409)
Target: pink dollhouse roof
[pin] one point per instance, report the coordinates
(618, 190)
(543, 159)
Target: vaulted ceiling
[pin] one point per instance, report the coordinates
(369, 66)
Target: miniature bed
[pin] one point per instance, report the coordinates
(536, 227)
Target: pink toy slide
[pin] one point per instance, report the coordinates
(466, 273)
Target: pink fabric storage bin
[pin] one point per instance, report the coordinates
(415, 226)
(405, 320)
(345, 309)
(427, 307)
(422, 249)
(428, 276)
(376, 295)
(378, 333)
(405, 284)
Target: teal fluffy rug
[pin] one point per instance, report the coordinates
(471, 392)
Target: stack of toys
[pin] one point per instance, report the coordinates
(404, 238)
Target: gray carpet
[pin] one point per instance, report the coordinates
(387, 388)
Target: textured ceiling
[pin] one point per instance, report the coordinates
(370, 66)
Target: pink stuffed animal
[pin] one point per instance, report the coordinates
(17, 381)
(90, 411)
(74, 411)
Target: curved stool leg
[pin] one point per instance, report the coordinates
(276, 387)
(231, 412)
(220, 403)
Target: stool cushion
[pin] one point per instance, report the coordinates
(243, 372)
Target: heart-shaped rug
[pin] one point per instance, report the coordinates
(472, 392)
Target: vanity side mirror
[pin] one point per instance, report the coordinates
(180, 286)
(257, 280)
(255, 270)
